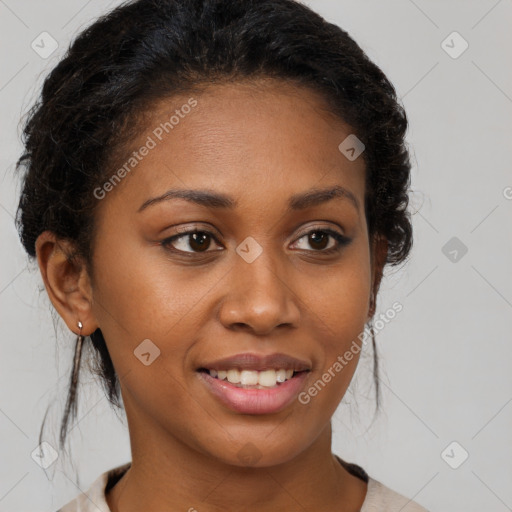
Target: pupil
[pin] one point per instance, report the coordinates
(201, 244)
(318, 235)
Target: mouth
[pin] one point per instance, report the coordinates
(252, 383)
(253, 379)
(250, 398)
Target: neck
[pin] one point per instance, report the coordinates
(166, 474)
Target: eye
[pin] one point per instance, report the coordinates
(319, 240)
(198, 241)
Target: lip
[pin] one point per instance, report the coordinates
(254, 401)
(257, 362)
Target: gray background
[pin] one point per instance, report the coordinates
(446, 358)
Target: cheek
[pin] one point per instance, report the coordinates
(141, 296)
(339, 316)
(338, 297)
(137, 293)
(338, 310)
(144, 306)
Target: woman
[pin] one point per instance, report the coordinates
(212, 190)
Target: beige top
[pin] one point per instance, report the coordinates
(379, 498)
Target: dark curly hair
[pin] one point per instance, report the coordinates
(93, 103)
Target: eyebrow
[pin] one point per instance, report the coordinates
(218, 200)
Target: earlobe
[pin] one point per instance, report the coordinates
(67, 282)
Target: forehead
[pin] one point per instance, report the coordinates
(267, 138)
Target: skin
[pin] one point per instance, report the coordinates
(259, 144)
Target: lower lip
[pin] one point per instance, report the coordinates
(255, 401)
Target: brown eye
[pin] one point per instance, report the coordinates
(319, 240)
(190, 242)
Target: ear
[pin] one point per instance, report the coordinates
(67, 282)
(378, 256)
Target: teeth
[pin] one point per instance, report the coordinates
(234, 376)
(250, 378)
(267, 378)
(281, 375)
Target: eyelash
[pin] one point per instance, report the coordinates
(341, 240)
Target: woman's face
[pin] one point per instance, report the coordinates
(263, 276)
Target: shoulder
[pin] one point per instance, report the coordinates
(93, 500)
(380, 498)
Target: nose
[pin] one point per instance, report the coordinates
(259, 297)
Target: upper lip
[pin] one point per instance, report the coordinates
(257, 362)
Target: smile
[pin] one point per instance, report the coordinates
(253, 398)
(252, 379)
